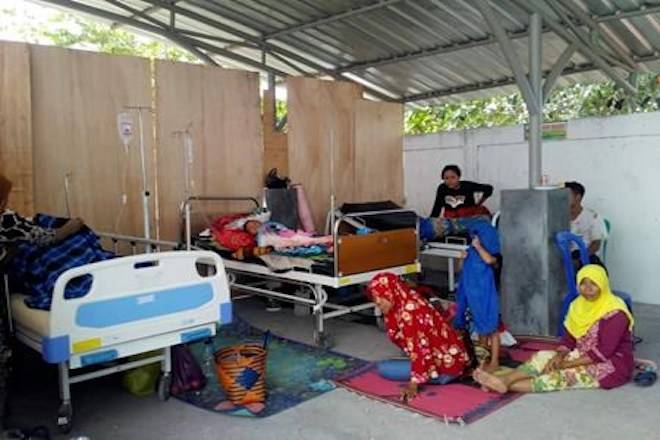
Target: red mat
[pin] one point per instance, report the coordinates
(460, 403)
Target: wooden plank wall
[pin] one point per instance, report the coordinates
(16, 125)
(368, 139)
(222, 109)
(318, 112)
(276, 153)
(76, 97)
(379, 151)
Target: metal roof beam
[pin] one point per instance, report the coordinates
(557, 69)
(584, 17)
(164, 31)
(559, 29)
(448, 48)
(507, 81)
(510, 54)
(331, 18)
(259, 41)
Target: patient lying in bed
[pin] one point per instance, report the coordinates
(250, 236)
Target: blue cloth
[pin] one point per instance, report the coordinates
(399, 370)
(476, 289)
(426, 229)
(36, 268)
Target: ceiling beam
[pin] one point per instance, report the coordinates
(331, 18)
(507, 81)
(506, 45)
(434, 50)
(586, 50)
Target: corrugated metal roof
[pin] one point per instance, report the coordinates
(424, 51)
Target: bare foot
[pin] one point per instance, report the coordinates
(490, 381)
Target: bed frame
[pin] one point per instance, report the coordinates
(357, 259)
(136, 304)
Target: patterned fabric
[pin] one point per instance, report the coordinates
(36, 269)
(608, 343)
(231, 238)
(434, 348)
(14, 228)
(477, 290)
(558, 380)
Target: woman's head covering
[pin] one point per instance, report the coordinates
(583, 314)
(5, 188)
(390, 287)
(487, 234)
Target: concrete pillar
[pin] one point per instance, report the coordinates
(533, 280)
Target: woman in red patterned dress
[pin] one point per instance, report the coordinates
(435, 349)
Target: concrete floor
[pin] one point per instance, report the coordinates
(104, 411)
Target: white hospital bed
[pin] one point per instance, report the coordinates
(312, 291)
(136, 304)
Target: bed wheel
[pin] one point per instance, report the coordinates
(65, 418)
(164, 386)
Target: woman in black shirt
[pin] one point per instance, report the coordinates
(456, 196)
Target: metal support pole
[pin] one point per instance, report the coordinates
(509, 52)
(535, 117)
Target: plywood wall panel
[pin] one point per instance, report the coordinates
(321, 118)
(16, 125)
(222, 110)
(76, 97)
(378, 151)
(276, 153)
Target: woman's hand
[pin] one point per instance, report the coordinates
(476, 243)
(410, 392)
(555, 363)
(69, 228)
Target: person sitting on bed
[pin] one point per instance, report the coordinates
(436, 353)
(456, 200)
(15, 229)
(595, 351)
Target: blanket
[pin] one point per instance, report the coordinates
(35, 269)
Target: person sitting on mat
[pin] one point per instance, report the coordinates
(436, 353)
(477, 291)
(595, 351)
(457, 201)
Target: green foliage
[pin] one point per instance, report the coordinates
(573, 102)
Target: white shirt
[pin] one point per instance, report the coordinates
(589, 226)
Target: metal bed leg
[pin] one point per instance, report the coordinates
(450, 269)
(10, 319)
(320, 337)
(65, 413)
(165, 379)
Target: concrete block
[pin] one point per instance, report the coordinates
(533, 280)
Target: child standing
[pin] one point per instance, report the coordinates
(477, 291)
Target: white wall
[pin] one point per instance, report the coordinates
(616, 158)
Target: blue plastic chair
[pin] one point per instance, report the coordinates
(564, 240)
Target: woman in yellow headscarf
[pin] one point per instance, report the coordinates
(595, 352)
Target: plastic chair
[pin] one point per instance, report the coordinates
(608, 227)
(563, 240)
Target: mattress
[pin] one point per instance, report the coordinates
(324, 267)
(35, 320)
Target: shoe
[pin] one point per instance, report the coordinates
(273, 306)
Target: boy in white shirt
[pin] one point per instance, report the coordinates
(586, 223)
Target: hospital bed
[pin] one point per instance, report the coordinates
(136, 304)
(453, 248)
(356, 260)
